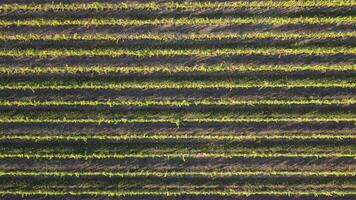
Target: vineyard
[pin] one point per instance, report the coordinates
(179, 99)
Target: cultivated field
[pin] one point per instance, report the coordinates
(213, 99)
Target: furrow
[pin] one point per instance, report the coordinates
(175, 155)
(235, 137)
(180, 103)
(178, 174)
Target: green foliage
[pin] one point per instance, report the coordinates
(162, 153)
(178, 84)
(177, 37)
(180, 21)
(99, 6)
(177, 52)
(9, 70)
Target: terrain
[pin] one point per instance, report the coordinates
(178, 99)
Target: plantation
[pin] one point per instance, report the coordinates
(201, 100)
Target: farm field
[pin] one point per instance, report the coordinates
(196, 100)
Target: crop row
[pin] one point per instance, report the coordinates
(234, 137)
(81, 6)
(268, 3)
(178, 84)
(179, 103)
(11, 70)
(177, 173)
(171, 36)
(180, 21)
(176, 52)
(175, 5)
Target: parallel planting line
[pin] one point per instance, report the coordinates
(83, 6)
(178, 174)
(180, 21)
(228, 83)
(174, 155)
(258, 4)
(235, 137)
(338, 192)
(176, 52)
(171, 37)
(13, 70)
(178, 103)
(33, 122)
(98, 6)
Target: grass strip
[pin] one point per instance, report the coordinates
(179, 21)
(24, 70)
(177, 173)
(99, 6)
(171, 36)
